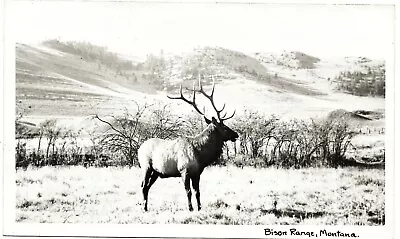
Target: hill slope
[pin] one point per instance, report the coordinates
(228, 65)
(54, 82)
(293, 59)
(47, 78)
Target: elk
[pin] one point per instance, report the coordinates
(185, 157)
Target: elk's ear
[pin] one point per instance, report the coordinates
(207, 120)
(214, 121)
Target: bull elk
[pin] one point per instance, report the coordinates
(185, 157)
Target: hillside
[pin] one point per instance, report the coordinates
(324, 75)
(47, 78)
(228, 65)
(52, 81)
(292, 59)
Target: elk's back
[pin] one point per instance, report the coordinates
(168, 157)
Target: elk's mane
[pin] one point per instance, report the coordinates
(207, 145)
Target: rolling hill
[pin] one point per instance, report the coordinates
(292, 59)
(54, 82)
(227, 65)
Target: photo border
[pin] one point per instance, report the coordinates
(11, 228)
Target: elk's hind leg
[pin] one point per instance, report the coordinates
(145, 188)
(153, 178)
(150, 178)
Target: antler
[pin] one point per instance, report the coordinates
(211, 98)
(181, 97)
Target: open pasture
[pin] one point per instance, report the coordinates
(230, 195)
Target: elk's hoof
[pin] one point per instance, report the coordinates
(191, 208)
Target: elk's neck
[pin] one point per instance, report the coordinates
(208, 145)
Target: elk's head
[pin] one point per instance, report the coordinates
(224, 131)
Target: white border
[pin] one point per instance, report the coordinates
(396, 118)
(2, 60)
(171, 230)
(8, 122)
(179, 231)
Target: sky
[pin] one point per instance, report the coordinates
(142, 28)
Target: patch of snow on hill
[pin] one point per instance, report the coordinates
(291, 59)
(49, 50)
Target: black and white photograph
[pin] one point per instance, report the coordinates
(198, 119)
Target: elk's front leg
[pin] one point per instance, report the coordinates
(195, 185)
(186, 182)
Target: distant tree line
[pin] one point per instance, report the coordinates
(153, 69)
(219, 61)
(370, 83)
(90, 52)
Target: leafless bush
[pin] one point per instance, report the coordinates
(256, 130)
(192, 125)
(302, 143)
(125, 133)
(162, 123)
(294, 143)
(264, 140)
(55, 152)
(338, 141)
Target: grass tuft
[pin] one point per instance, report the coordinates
(21, 218)
(24, 204)
(366, 180)
(219, 204)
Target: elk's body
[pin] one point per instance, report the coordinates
(171, 157)
(184, 157)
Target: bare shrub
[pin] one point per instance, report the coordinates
(255, 131)
(294, 143)
(52, 132)
(339, 139)
(284, 149)
(162, 123)
(122, 135)
(314, 143)
(125, 133)
(264, 140)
